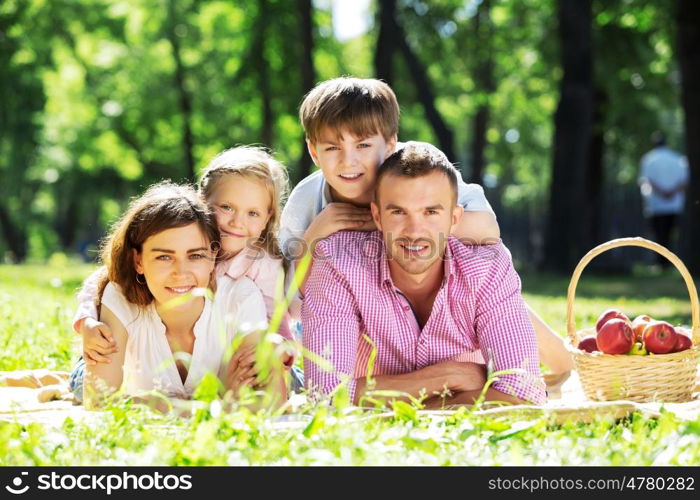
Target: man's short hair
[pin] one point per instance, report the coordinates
(364, 106)
(417, 159)
(658, 138)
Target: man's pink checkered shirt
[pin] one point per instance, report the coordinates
(478, 315)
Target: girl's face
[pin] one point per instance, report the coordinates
(175, 261)
(243, 208)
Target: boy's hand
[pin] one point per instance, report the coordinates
(97, 341)
(337, 217)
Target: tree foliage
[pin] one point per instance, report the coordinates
(100, 98)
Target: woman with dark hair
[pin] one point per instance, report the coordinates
(158, 263)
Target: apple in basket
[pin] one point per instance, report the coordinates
(588, 344)
(683, 341)
(639, 324)
(659, 337)
(608, 315)
(615, 337)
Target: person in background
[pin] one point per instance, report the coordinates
(663, 178)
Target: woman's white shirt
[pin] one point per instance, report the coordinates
(149, 363)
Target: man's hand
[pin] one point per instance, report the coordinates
(97, 341)
(466, 376)
(432, 380)
(459, 376)
(338, 217)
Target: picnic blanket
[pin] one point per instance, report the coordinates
(44, 397)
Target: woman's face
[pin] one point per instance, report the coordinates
(175, 261)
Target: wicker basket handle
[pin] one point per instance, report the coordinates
(632, 242)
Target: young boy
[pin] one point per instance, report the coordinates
(351, 127)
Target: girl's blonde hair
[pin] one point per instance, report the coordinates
(256, 163)
(164, 205)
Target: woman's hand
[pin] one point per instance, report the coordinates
(241, 370)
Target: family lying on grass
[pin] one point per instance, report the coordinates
(410, 293)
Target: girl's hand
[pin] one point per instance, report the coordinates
(97, 341)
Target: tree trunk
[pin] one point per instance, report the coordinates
(386, 42)
(485, 86)
(565, 242)
(14, 235)
(262, 70)
(308, 75)
(426, 95)
(392, 36)
(595, 179)
(184, 99)
(688, 18)
(478, 146)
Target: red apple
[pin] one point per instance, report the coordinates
(615, 337)
(608, 315)
(588, 344)
(639, 324)
(659, 337)
(683, 341)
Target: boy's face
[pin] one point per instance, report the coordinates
(349, 163)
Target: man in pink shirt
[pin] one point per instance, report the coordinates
(437, 311)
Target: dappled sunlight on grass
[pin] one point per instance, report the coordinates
(36, 309)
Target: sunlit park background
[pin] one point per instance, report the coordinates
(549, 104)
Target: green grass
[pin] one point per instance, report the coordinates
(663, 296)
(36, 307)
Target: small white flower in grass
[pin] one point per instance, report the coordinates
(236, 458)
(296, 401)
(215, 408)
(57, 439)
(56, 282)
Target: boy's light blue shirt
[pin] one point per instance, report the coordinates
(312, 195)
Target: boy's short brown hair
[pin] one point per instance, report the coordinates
(363, 105)
(416, 159)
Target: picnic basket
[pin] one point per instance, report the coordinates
(656, 377)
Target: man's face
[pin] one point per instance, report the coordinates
(416, 216)
(349, 163)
